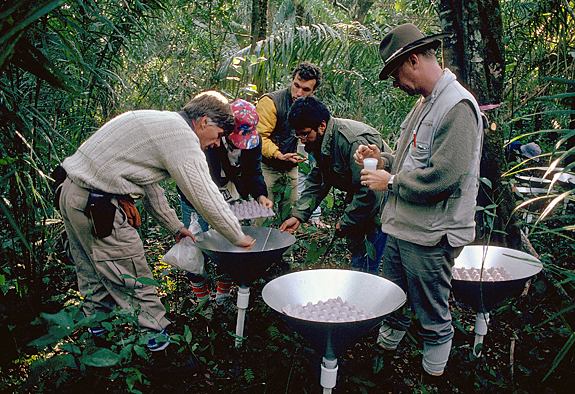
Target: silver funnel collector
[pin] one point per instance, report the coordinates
(245, 265)
(375, 295)
(483, 295)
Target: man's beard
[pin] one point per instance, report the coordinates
(313, 146)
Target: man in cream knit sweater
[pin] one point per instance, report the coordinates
(128, 157)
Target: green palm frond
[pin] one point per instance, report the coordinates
(348, 55)
(330, 46)
(17, 17)
(311, 11)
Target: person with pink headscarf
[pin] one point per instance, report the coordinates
(235, 167)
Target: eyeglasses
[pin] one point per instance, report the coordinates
(395, 73)
(302, 134)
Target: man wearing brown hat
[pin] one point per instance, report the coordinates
(432, 181)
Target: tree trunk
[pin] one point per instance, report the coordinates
(474, 52)
(361, 9)
(259, 24)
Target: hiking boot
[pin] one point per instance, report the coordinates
(159, 342)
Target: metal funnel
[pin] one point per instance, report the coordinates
(373, 294)
(483, 296)
(246, 265)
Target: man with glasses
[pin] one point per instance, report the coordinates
(432, 180)
(333, 141)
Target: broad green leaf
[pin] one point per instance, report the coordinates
(44, 341)
(369, 248)
(101, 358)
(141, 352)
(72, 348)
(135, 376)
(61, 319)
(486, 181)
(126, 353)
(148, 281)
(187, 334)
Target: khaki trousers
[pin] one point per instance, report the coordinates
(102, 263)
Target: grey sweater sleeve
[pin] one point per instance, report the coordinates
(452, 153)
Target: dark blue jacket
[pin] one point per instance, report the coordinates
(247, 178)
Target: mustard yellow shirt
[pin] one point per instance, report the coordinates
(267, 113)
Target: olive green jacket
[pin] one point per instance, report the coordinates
(336, 168)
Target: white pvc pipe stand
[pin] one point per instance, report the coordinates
(328, 374)
(243, 301)
(481, 323)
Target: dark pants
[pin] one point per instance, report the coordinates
(360, 259)
(424, 273)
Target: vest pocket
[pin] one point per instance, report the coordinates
(420, 152)
(417, 157)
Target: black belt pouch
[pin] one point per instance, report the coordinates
(59, 175)
(101, 212)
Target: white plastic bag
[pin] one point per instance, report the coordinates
(187, 256)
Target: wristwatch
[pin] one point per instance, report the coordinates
(390, 183)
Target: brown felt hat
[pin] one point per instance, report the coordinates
(401, 41)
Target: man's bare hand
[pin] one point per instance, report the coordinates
(290, 225)
(246, 242)
(266, 202)
(184, 232)
(366, 151)
(375, 180)
(291, 157)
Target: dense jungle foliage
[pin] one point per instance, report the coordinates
(66, 67)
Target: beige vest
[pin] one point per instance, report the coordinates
(454, 216)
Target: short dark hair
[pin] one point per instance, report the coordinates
(215, 106)
(307, 112)
(308, 71)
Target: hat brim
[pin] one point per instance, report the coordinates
(433, 41)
